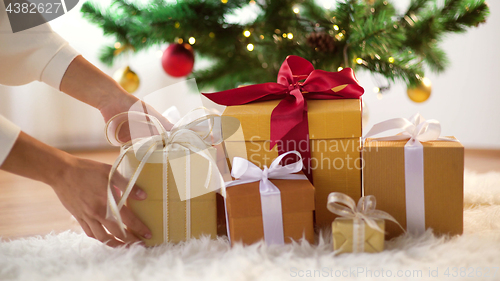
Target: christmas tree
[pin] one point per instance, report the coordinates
(364, 35)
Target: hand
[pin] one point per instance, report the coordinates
(82, 189)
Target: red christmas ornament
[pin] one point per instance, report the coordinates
(178, 60)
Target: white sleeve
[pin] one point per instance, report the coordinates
(34, 54)
(8, 136)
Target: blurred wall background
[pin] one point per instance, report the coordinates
(465, 99)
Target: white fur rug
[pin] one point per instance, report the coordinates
(72, 256)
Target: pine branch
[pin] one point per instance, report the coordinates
(395, 46)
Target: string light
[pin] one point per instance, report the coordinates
(224, 1)
(376, 90)
(118, 45)
(391, 60)
(284, 35)
(359, 61)
(252, 2)
(180, 40)
(250, 47)
(191, 40)
(335, 27)
(246, 33)
(211, 35)
(261, 37)
(340, 68)
(290, 36)
(177, 24)
(296, 10)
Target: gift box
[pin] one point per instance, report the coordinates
(359, 228)
(421, 191)
(177, 169)
(201, 211)
(329, 141)
(344, 240)
(276, 210)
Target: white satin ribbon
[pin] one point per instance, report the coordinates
(344, 206)
(270, 196)
(180, 137)
(416, 130)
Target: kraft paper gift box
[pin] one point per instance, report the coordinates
(201, 210)
(334, 131)
(177, 169)
(246, 214)
(360, 228)
(441, 198)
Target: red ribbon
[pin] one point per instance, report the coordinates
(289, 117)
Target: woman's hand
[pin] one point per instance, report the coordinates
(81, 185)
(82, 190)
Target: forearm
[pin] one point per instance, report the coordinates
(90, 85)
(35, 160)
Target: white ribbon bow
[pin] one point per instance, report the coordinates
(365, 210)
(416, 130)
(270, 195)
(180, 136)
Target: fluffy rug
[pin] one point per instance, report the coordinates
(73, 256)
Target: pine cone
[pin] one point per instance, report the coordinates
(321, 41)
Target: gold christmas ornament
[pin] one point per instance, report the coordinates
(422, 92)
(127, 78)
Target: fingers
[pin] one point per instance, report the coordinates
(134, 224)
(85, 227)
(101, 234)
(115, 230)
(119, 181)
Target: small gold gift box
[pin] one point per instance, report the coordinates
(371, 240)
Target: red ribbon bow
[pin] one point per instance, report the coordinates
(289, 117)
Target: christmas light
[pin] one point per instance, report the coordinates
(191, 40)
(284, 35)
(177, 24)
(180, 40)
(376, 90)
(296, 10)
(250, 47)
(261, 37)
(246, 33)
(359, 61)
(336, 27)
(391, 60)
(327, 6)
(224, 1)
(252, 2)
(290, 36)
(118, 45)
(426, 81)
(379, 96)
(340, 68)
(211, 35)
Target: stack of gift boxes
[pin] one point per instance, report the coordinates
(311, 121)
